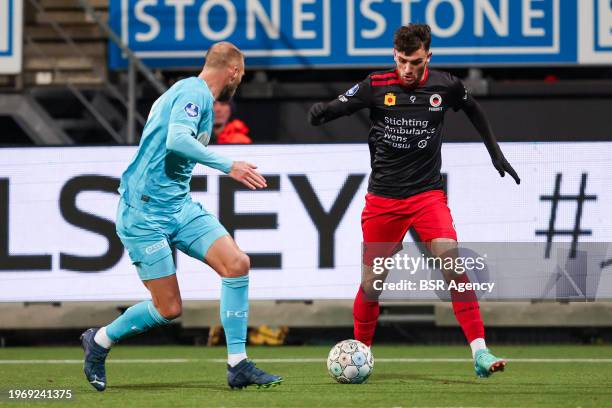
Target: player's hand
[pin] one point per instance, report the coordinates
(246, 174)
(315, 114)
(501, 164)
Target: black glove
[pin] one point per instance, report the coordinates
(315, 114)
(501, 164)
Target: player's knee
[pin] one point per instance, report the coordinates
(171, 310)
(443, 247)
(239, 265)
(370, 292)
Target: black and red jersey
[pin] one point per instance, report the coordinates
(406, 127)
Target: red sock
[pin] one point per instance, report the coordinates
(467, 312)
(365, 317)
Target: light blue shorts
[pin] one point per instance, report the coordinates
(149, 236)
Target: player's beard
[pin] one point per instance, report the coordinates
(227, 92)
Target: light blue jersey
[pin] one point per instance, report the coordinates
(158, 177)
(156, 212)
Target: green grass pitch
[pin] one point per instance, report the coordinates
(563, 376)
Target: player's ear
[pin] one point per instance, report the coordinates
(429, 54)
(234, 72)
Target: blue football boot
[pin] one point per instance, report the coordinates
(245, 373)
(95, 356)
(486, 363)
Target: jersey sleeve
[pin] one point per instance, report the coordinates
(354, 99)
(459, 94)
(188, 111)
(181, 142)
(357, 97)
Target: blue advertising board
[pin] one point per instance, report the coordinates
(336, 33)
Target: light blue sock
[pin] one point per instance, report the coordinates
(136, 319)
(235, 312)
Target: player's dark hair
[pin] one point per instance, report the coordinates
(411, 37)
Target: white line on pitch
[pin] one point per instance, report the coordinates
(309, 360)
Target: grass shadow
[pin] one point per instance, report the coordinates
(179, 385)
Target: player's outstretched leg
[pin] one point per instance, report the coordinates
(97, 342)
(486, 363)
(467, 313)
(233, 265)
(95, 357)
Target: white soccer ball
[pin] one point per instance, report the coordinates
(350, 362)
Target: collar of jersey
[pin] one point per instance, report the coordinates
(421, 82)
(203, 82)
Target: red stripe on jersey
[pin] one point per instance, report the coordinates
(377, 80)
(381, 76)
(424, 78)
(386, 83)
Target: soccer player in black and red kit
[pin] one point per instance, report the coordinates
(407, 106)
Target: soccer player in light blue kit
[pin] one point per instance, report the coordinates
(156, 212)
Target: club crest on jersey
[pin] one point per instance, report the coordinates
(435, 101)
(352, 91)
(390, 99)
(192, 110)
